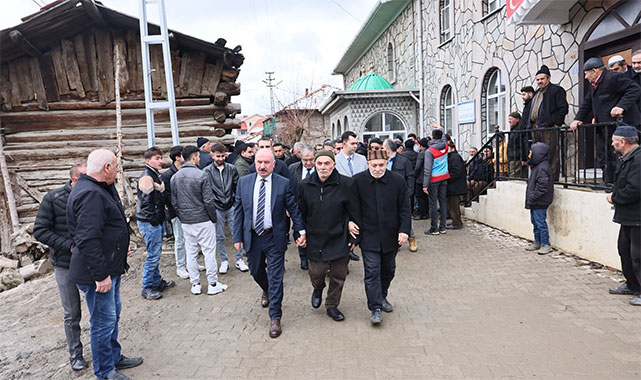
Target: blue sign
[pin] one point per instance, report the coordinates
(466, 112)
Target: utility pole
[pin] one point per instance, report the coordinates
(270, 84)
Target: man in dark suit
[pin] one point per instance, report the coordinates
(260, 228)
(383, 220)
(611, 95)
(298, 172)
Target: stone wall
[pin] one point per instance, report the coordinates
(401, 34)
(479, 44)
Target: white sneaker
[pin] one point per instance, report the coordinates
(196, 289)
(218, 288)
(240, 264)
(224, 267)
(201, 267)
(182, 273)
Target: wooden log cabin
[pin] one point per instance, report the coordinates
(57, 79)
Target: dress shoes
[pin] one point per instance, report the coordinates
(126, 362)
(387, 307)
(78, 363)
(335, 314)
(264, 299)
(624, 290)
(274, 329)
(377, 316)
(353, 256)
(304, 264)
(317, 298)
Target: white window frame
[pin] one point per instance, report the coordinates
(448, 108)
(445, 12)
(500, 96)
(493, 5)
(383, 134)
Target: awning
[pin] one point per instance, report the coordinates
(536, 12)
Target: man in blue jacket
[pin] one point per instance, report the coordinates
(96, 220)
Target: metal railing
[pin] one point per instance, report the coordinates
(579, 158)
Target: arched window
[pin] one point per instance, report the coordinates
(492, 102)
(447, 109)
(384, 125)
(339, 131)
(391, 72)
(333, 130)
(345, 125)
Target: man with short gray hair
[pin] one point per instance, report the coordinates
(96, 221)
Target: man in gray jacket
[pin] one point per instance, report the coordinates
(193, 198)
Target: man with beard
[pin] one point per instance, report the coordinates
(518, 143)
(626, 198)
(224, 178)
(245, 160)
(324, 201)
(383, 222)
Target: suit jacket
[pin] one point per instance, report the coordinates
(383, 210)
(282, 199)
(359, 164)
(612, 90)
(296, 176)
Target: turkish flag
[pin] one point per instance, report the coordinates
(512, 6)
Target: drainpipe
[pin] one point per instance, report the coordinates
(421, 85)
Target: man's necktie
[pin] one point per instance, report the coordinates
(309, 173)
(260, 211)
(351, 168)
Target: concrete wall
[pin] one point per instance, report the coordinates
(580, 222)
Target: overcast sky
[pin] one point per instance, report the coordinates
(300, 40)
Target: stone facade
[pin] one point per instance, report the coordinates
(401, 35)
(480, 44)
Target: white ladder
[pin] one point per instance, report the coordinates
(159, 39)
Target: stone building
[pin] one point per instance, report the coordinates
(469, 58)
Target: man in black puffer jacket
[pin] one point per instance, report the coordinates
(50, 228)
(150, 212)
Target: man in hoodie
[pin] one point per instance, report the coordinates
(626, 198)
(435, 178)
(538, 196)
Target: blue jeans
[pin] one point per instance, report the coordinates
(541, 234)
(153, 240)
(104, 309)
(179, 243)
(223, 216)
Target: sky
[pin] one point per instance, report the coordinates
(300, 40)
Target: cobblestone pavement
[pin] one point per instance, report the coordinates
(472, 304)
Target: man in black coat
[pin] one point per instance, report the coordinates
(635, 73)
(401, 165)
(518, 143)
(383, 221)
(325, 201)
(456, 185)
(610, 96)
(204, 145)
(626, 198)
(298, 172)
(50, 228)
(96, 221)
(410, 153)
(548, 110)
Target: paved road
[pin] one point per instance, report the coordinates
(472, 304)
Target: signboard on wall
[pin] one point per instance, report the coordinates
(466, 112)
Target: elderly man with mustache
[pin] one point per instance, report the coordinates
(324, 200)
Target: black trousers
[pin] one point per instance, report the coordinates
(630, 251)
(438, 192)
(379, 271)
(422, 200)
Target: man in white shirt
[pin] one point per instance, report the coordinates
(350, 163)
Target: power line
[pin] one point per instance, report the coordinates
(346, 11)
(38, 4)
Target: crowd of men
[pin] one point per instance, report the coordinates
(328, 199)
